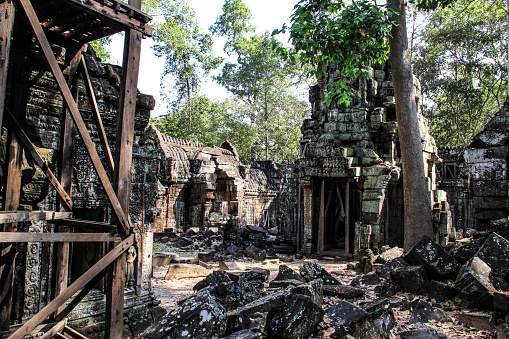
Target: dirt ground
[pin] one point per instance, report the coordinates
(170, 291)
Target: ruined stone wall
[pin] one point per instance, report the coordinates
(476, 177)
(34, 268)
(356, 149)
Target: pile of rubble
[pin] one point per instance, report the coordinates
(410, 295)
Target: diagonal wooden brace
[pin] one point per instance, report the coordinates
(78, 120)
(38, 159)
(73, 288)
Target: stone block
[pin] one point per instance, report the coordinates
(199, 316)
(314, 290)
(424, 312)
(373, 194)
(297, 318)
(206, 256)
(342, 291)
(491, 202)
(488, 171)
(244, 334)
(348, 319)
(285, 283)
(370, 279)
(377, 182)
(389, 255)
(442, 291)
(432, 256)
(311, 271)
(480, 321)
(474, 283)
(180, 271)
(501, 301)
(229, 266)
(286, 273)
(384, 271)
(378, 307)
(385, 324)
(425, 332)
(162, 259)
(411, 278)
(495, 253)
(482, 155)
(379, 75)
(468, 249)
(502, 331)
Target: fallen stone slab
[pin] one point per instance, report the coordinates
(185, 260)
(199, 316)
(468, 249)
(421, 333)
(240, 318)
(389, 255)
(348, 319)
(411, 278)
(206, 256)
(311, 271)
(286, 273)
(425, 312)
(244, 334)
(229, 266)
(285, 257)
(285, 283)
(163, 258)
(370, 279)
(377, 307)
(250, 286)
(442, 290)
(480, 321)
(219, 283)
(474, 283)
(342, 291)
(433, 257)
(314, 290)
(387, 289)
(236, 251)
(255, 253)
(385, 270)
(180, 271)
(495, 253)
(385, 324)
(297, 318)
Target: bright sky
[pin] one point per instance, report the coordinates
(267, 16)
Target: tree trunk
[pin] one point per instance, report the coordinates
(416, 202)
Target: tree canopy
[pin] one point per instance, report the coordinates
(460, 61)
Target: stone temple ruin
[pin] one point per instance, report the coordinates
(342, 198)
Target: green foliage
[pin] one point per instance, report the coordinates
(262, 82)
(100, 47)
(233, 23)
(187, 51)
(262, 189)
(350, 36)
(461, 62)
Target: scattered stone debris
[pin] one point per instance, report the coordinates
(415, 295)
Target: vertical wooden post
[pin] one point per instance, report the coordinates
(66, 169)
(347, 219)
(122, 175)
(6, 25)
(322, 218)
(12, 195)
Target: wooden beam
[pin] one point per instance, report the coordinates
(73, 288)
(54, 330)
(7, 11)
(73, 334)
(11, 237)
(98, 120)
(39, 160)
(19, 216)
(347, 220)
(87, 224)
(115, 18)
(122, 176)
(322, 217)
(78, 120)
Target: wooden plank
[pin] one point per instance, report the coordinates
(113, 17)
(74, 287)
(12, 191)
(95, 109)
(322, 217)
(39, 160)
(87, 224)
(78, 120)
(347, 220)
(54, 330)
(7, 11)
(74, 334)
(19, 216)
(8, 237)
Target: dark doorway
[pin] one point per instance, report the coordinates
(338, 213)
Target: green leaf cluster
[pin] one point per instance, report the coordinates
(461, 61)
(351, 36)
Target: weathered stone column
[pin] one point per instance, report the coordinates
(307, 219)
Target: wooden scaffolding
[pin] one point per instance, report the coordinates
(28, 31)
